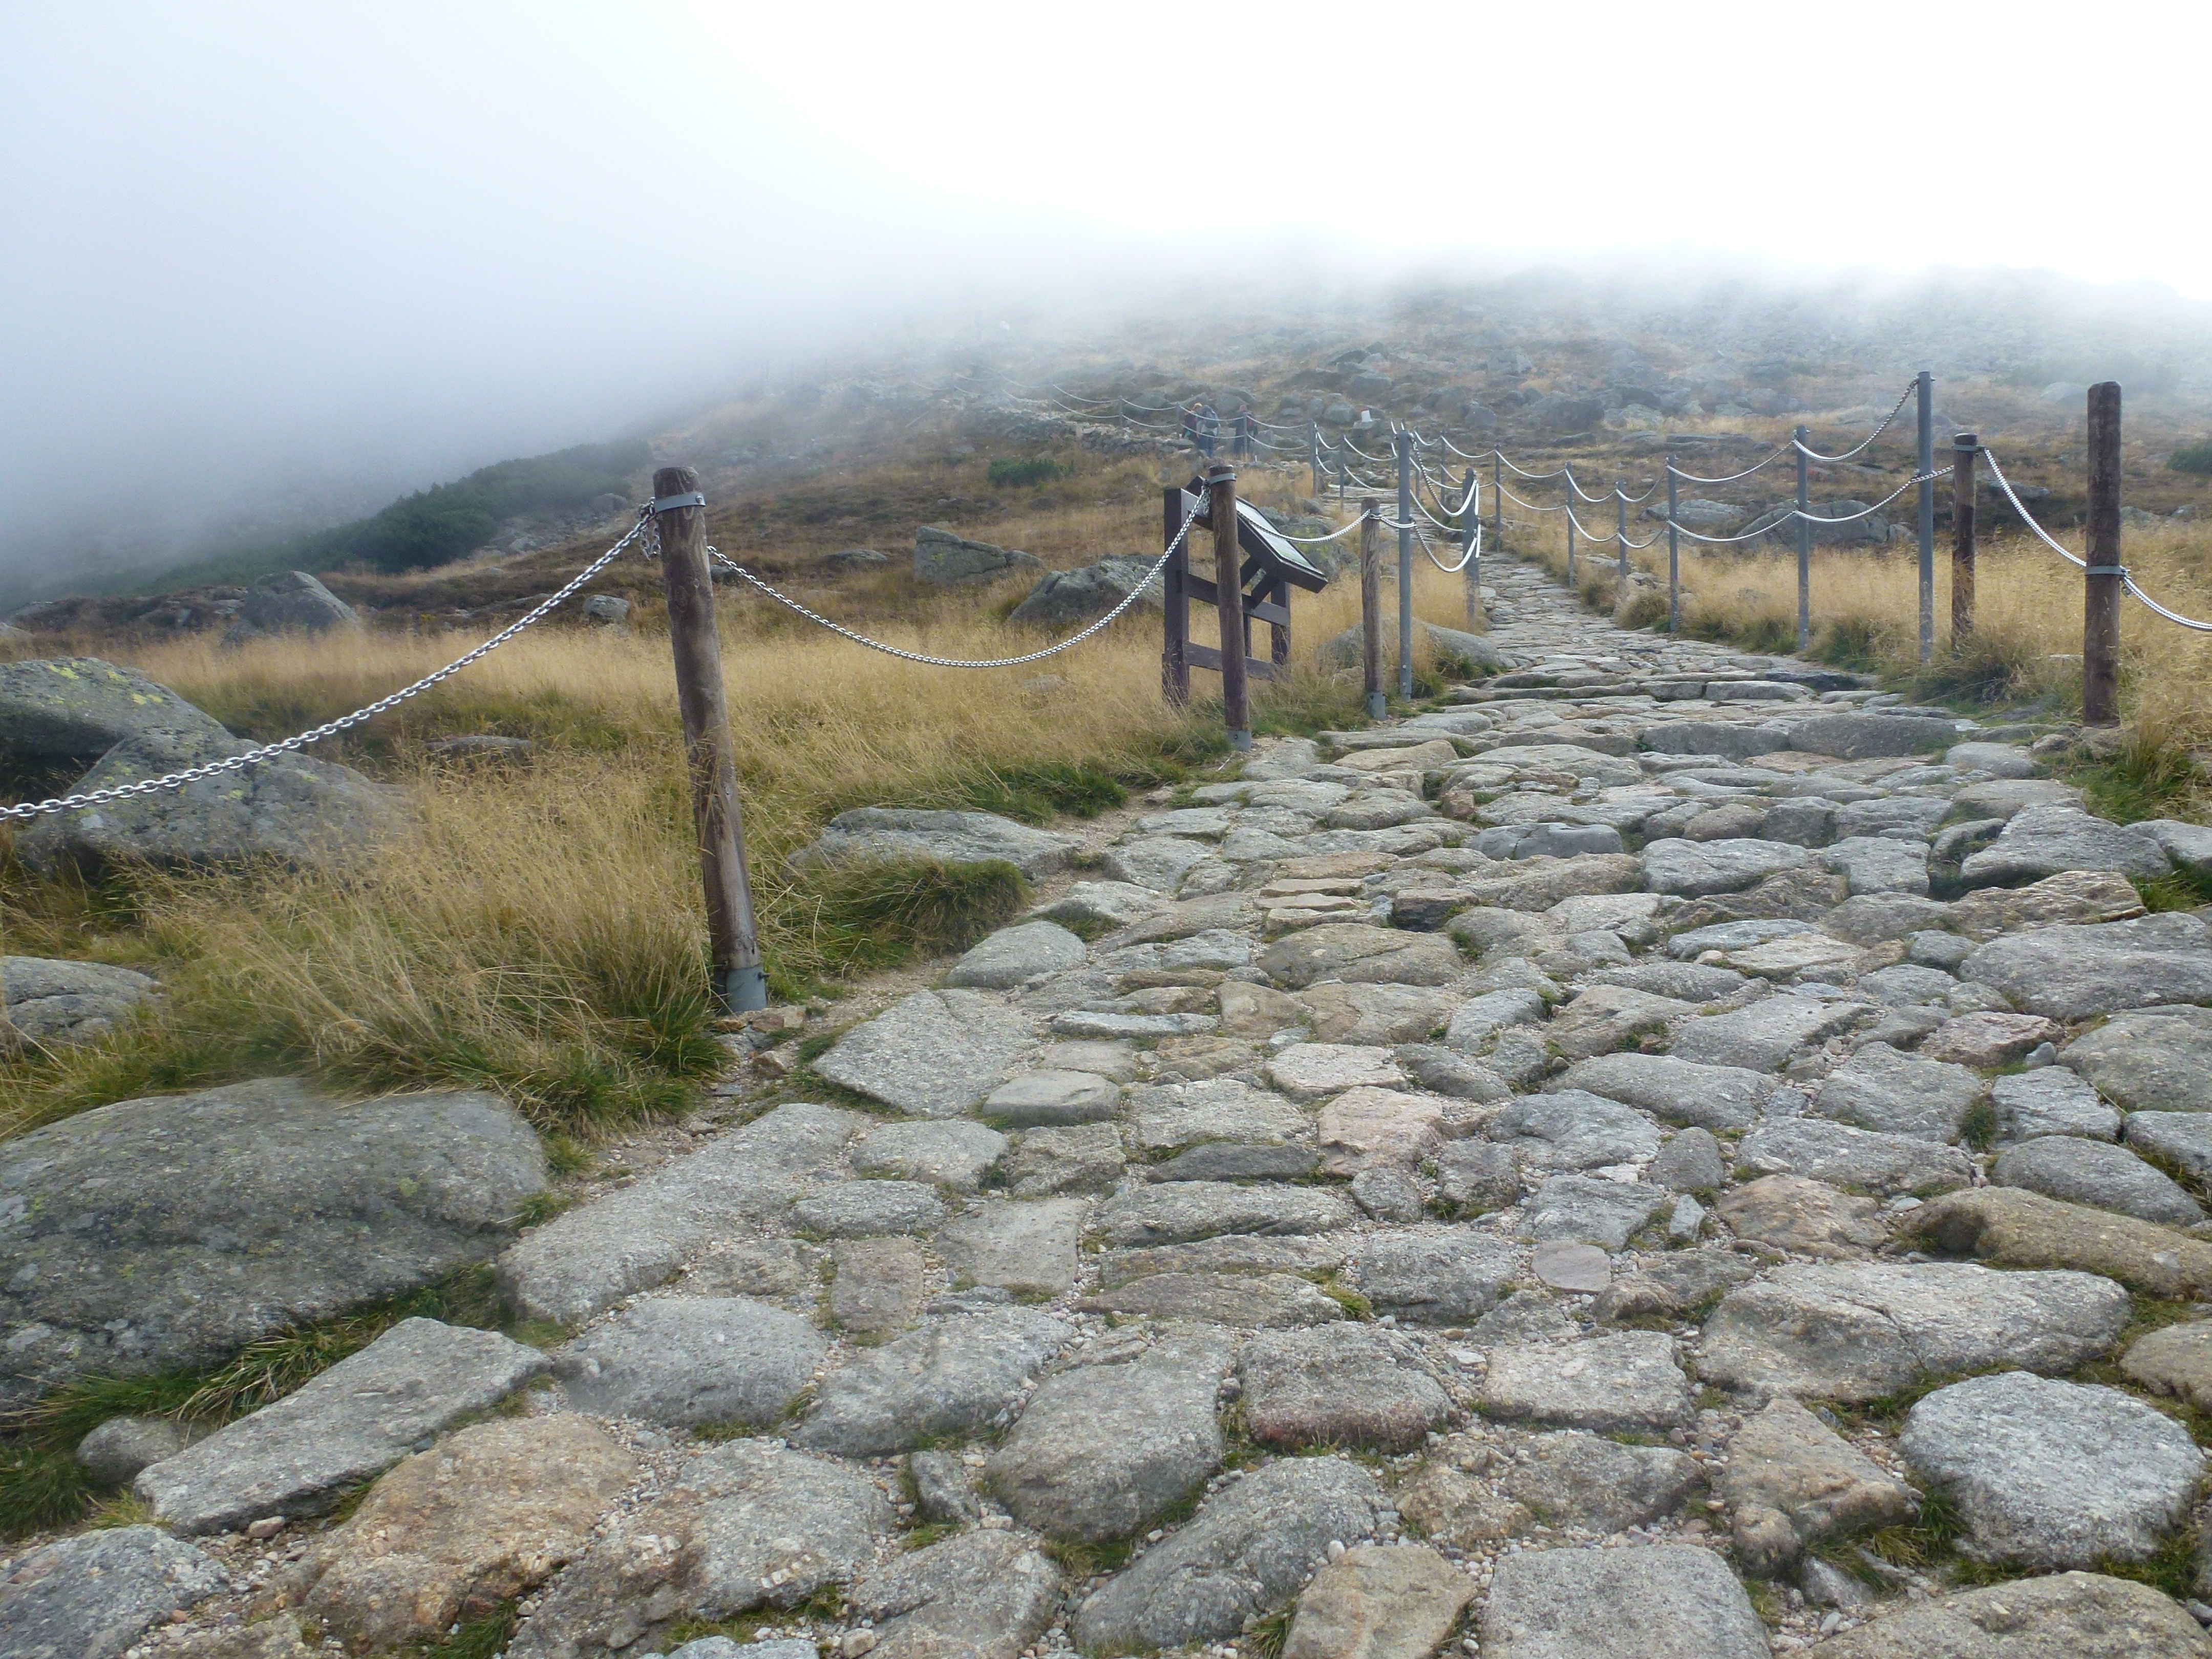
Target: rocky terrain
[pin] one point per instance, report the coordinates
(1664, 1154)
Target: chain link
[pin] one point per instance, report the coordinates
(239, 762)
(819, 620)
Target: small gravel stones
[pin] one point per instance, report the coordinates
(692, 1360)
(2054, 1474)
(1345, 1384)
(1630, 1380)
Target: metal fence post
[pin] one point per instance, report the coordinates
(1405, 448)
(2102, 582)
(1925, 387)
(1804, 543)
(1674, 552)
(1470, 530)
(1965, 446)
(1313, 452)
(733, 942)
(1498, 489)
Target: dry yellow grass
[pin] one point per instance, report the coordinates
(537, 927)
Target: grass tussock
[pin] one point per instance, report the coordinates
(42, 1486)
(536, 926)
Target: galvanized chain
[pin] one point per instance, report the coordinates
(820, 620)
(2126, 580)
(30, 809)
(1815, 455)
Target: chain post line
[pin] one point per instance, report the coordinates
(2127, 580)
(29, 810)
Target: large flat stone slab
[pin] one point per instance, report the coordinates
(1692, 869)
(2016, 1228)
(2043, 840)
(691, 1361)
(1887, 1091)
(2154, 1060)
(1358, 953)
(1247, 1549)
(1852, 1331)
(2054, 1474)
(92, 1597)
(1346, 1384)
(168, 1232)
(1764, 1036)
(55, 1003)
(1628, 1380)
(1017, 954)
(583, 1263)
(1433, 1275)
(2068, 1615)
(895, 834)
(1026, 1248)
(935, 1053)
(355, 1420)
(1666, 1602)
(1678, 1091)
(1176, 1211)
(946, 1381)
(1883, 1164)
(2075, 973)
(2083, 1171)
(980, 1594)
(1103, 1449)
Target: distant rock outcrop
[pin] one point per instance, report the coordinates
(1092, 590)
(63, 711)
(288, 602)
(944, 560)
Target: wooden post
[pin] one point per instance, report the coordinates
(1279, 634)
(1964, 447)
(1804, 543)
(680, 521)
(1228, 603)
(2101, 584)
(1370, 606)
(1924, 389)
(1174, 660)
(1674, 551)
(1470, 530)
(1621, 538)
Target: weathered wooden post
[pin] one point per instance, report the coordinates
(1965, 446)
(1370, 607)
(2102, 581)
(1404, 449)
(1569, 474)
(1621, 538)
(1923, 386)
(1175, 595)
(1228, 603)
(1804, 541)
(680, 524)
(1674, 551)
(1470, 527)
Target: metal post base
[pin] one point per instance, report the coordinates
(1378, 705)
(745, 990)
(1240, 741)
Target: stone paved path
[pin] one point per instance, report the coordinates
(1460, 1182)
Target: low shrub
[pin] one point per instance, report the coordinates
(1006, 473)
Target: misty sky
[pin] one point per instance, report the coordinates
(250, 241)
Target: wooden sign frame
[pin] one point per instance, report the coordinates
(1268, 568)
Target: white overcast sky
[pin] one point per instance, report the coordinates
(415, 236)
